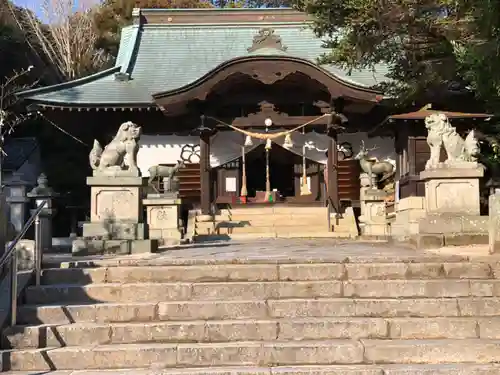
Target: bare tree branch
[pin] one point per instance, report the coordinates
(9, 116)
(67, 36)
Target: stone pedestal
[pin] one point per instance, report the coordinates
(163, 218)
(364, 180)
(115, 208)
(373, 219)
(408, 212)
(116, 217)
(452, 207)
(452, 190)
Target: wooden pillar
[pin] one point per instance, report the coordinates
(333, 176)
(205, 194)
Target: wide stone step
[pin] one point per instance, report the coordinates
(251, 228)
(270, 272)
(375, 254)
(148, 292)
(81, 334)
(275, 234)
(145, 292)
(440, 369)
(273, 210)
(254, 354)
(288, 308)
(284, 219)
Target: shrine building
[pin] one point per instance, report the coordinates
(237, 94)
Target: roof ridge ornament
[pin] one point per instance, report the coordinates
(266, 38)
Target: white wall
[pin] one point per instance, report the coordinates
(226, 146)
(161, 149)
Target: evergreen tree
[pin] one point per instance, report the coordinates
(432, 47)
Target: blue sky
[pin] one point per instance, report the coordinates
(31, 4)
(37, 5)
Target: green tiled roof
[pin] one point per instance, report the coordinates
(162, 57)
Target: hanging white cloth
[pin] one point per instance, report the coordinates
(224, 147)
(316, 145)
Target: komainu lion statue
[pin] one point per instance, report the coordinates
(458, 150)
(119, 157)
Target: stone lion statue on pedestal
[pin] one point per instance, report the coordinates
(458, 150)
(119, 157)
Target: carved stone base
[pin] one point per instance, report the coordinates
(115, 219)
(374, 229)
(116, 198)
(408, 212)
(372, 202)
(83, 247)
(373, 219)
(364, 180)
(450, 223)
(113, 230)
(163, 218)
(452, 190)
(450, 229)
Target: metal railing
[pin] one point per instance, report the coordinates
(11, 256)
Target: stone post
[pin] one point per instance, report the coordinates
(494, 222)
(18, 201)
(42, 192)
(373, 219)
(3, 222)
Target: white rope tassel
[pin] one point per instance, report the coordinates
(268, 144)
(248, 141)
(244, 191)
(288, 144)
(304, 188)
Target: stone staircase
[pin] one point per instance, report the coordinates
(271, 222)
(424, 317)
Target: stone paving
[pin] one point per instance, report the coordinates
(282, 250)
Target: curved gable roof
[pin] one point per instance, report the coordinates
(202, 86)
(166, 57)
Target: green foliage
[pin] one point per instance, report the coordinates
(478, 55)
(431, 46)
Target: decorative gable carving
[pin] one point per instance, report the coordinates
(266, 110)
(266, 38)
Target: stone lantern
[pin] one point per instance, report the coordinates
(42, 192)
